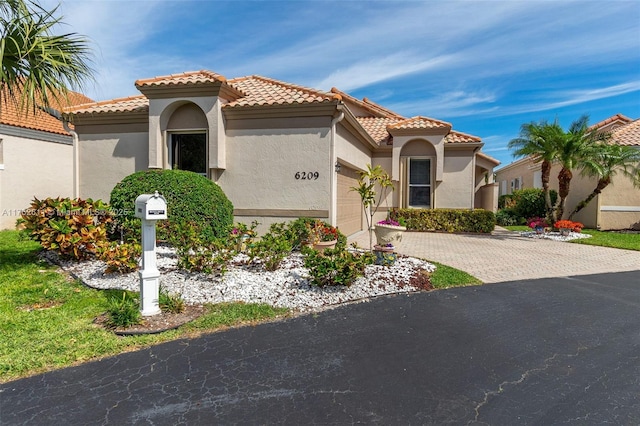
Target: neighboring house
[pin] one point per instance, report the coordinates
(617, 207)
(36, 158)
(278, 150)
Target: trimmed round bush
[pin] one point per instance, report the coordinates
(191, 199)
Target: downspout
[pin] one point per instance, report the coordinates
(333, 181)
(76, 180)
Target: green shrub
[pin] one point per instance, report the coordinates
(121, 258)
(448, 220)
(198, 254)
(190, 198)
(529, 202)
(170, 302)
(123, 311)
(507, 217)
(73, 228)
(273, 247)
(335, 266)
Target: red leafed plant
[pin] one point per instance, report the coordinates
(319, 231)
(568, 224)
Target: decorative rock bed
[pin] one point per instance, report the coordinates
(289, 286)
(555, 235)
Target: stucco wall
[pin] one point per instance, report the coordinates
(262, 164)
(619, 196)
(106, 158)
(456, 190)
(524, 169)
(32, 168)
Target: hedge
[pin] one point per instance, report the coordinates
(447, 220)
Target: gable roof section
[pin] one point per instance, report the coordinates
(419, 123)
(628, 134)
(10, 115)
(260, 91)
(459, 137)
(190, 83)
(376, 127)
(375, 109)
(618, 118)
(190, 78)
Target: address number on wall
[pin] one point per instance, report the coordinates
(307, 175)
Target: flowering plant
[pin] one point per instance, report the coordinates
(568, 224)
(319, 231)
(537, 222)
(388, 222)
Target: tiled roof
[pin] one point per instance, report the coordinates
(420, 122)
(628, 134)
(459, 137)
(138, 103)
(368, 105)
(186, 78)
(10, 115)
(376, 127)
(613, 118)
(266, 91)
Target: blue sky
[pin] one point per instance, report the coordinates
(485, 66)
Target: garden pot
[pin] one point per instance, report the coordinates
(389, 234)
(322, 245)
(242, 243)
(539, 230)
(384, 255)
(565, 232)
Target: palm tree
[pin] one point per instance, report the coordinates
(605, 163)
(540, 142)
(38, 67)
(576, 147)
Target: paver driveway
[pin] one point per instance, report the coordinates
(506, 256)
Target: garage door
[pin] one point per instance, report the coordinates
(349, 212)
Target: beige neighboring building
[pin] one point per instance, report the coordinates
(36, 159)
(617, 207)
(278, 150)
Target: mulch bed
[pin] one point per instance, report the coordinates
(156, 323)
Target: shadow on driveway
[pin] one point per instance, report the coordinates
(545, 351)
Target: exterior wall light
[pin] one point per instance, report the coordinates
(337, 167)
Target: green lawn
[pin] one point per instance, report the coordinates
(600, 238)
(46, 318)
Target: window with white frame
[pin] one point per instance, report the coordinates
(516, 184)
(419, 182)
(189, 152)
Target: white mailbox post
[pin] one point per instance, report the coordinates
(150, 208)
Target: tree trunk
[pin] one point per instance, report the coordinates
(602, 184)
(546, 172)
(564, 183)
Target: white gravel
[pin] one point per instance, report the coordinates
(289, 286)
(555, 235)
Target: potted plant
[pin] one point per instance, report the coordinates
(538, 224)
(385, 254)
(321, 236)
(243, 235)
(567, 226)
(370, 179)
(389, 231)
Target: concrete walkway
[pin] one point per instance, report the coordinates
(506, 256)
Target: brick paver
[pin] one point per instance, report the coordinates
(506, 256)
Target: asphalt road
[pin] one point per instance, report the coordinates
(548, 351)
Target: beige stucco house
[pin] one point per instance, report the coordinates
(279, 150)
(36, 158)
(617, 207)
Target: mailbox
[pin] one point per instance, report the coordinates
(151, 207)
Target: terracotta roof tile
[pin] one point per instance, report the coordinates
(185, 78)
(613, 118)
(266, 91)
(138, 103)
(420, 122)
(376, 127)
(628, 134)
(37, 120)
(459, 137)
(368, 105)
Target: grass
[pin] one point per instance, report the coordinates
(600, 238)
(445, 276)
(46, 318)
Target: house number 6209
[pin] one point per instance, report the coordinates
(307, 175)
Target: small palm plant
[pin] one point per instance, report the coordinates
(370, 179)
